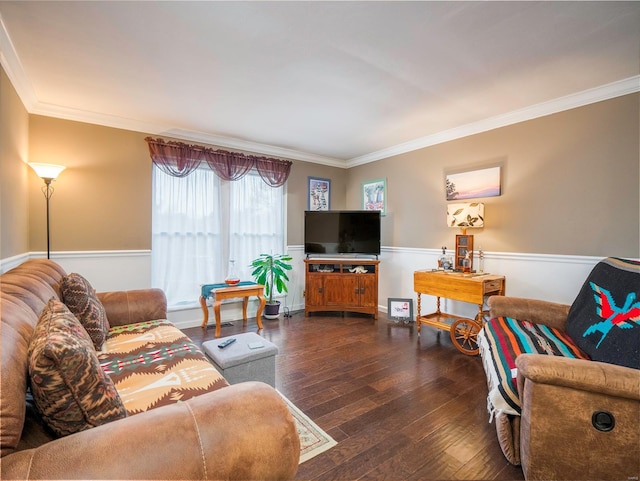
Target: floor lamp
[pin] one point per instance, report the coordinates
(48, 173)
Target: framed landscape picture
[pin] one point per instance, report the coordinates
(473, 184)
(374, 195)
(319, 194)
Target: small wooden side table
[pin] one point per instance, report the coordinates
(472, 288)
(220, 292)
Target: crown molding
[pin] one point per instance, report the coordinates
(15, 71)
(253, 147)
(579, 99)
(49, 110)
(13, 67)
(77, 115)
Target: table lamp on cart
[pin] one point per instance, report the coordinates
(465, 216)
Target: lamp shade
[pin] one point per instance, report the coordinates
(47, 171)
(465, 215)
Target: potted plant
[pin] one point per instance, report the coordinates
(270, 271)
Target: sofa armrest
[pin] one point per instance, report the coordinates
(129, 307)
(243, 431)
(539, 312)
(581, 374)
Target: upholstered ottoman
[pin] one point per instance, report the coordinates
(249, 358)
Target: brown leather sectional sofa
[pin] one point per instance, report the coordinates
(243, 431)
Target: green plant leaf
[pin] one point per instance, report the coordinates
(269, 270)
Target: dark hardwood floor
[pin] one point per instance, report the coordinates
(401, 406)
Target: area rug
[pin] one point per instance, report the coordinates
(313, 440)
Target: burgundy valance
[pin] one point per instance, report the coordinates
(179, 160)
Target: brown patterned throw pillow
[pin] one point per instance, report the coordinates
(82, 301)
(69, 387)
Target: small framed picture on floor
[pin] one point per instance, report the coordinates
(400, 310)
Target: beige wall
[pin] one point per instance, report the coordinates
(103, 198)
(14, 145)
(102, 201)
(570, 185)
(297, 195)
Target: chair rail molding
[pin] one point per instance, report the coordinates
(527, 275)
(551, 277)
(108, 270)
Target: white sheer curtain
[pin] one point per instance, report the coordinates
(256, 222)
(200, 223)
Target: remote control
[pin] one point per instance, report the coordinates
(224, 344)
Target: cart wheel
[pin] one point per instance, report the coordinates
(464, 335)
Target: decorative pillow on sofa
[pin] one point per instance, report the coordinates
(82, 301)
(604, 320)
(69, 387)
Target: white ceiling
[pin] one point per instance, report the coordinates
(340, 83)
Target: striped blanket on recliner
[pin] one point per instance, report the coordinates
(506, 339)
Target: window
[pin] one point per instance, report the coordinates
(201, 222)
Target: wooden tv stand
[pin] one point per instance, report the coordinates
(331, 286)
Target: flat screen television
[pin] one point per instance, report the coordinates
(342, 232)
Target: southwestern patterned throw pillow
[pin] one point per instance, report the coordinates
(69, 387)
(82, 301)
(604, 320)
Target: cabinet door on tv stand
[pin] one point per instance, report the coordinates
(368, 291)
(341, 290)
(314, 290)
